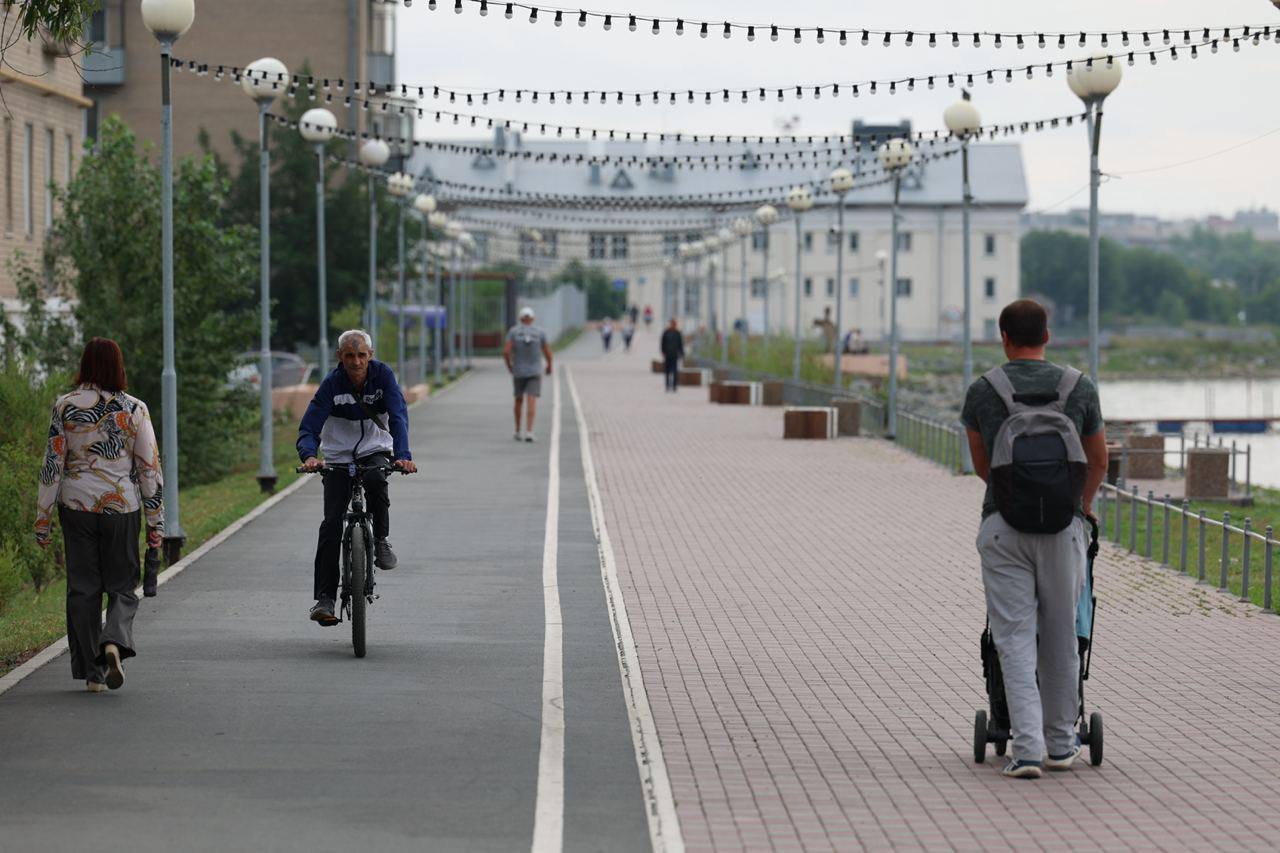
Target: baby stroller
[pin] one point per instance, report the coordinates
(995, 728)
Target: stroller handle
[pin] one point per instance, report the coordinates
(1093, 537)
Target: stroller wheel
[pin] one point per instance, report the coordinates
(1095, 738)
(1001, 747)
(980, 737)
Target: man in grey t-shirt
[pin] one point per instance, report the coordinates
(525, 349)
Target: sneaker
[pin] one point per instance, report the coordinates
(528, 436)
(115, 670)
(1064, 762)
(1019, 768)
(519, 436)
(95, 687)
(383, 557)
(323, 612)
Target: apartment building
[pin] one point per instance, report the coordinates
(41, 138)
(338, 39)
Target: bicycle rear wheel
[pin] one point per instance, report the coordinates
(359, 603)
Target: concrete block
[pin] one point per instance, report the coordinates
(772, 391)
(1145, 457)
(695, 376)
(848, 415)
(658, 366)
(738, 393)
(809, 422)
(1208, 473)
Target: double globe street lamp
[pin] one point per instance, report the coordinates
(841, 182)
(1091, 82)
(317, 127)
(168, 20)
(425, 205)
(766, 215)
(373, 155)
(400, 185)
(895, 155)
(799, 200)
(963, 120)
(742, 228)
(262, 80)
(724, 237)
(437, 220)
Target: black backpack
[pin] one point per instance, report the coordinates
(1037, 461)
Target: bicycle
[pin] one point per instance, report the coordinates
(357, 548)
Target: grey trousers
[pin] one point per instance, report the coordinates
(102, 557)
(1033, 584)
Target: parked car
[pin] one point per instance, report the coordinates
(286, 369)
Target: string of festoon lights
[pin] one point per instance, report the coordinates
(802, 158)
(571, 221)
(601, 226)
(840, 34)
(349, 92)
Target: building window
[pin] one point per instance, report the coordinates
(618, 246)
(757, 287)
(28, 180)
(550, 244)
(48, 179)
(8, 175)
(853, 288)
(759, 241)
(989, 245)
(904, 241)
(382, 28)
(904, 287)
(670, 245)
(831, 287)
(989, 330)
(808, 241)
(989, 289)
(597, 246)
(833, 240)
(69, 165)
(526, 247)
(853, 241)
(808, 287)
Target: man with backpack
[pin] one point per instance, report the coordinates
(1036, 437)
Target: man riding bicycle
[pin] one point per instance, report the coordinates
(357, 415)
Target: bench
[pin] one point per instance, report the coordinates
(809, 422)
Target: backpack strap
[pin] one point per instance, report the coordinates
(1067, 384)
(1000, 383)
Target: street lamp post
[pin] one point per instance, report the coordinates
(468, 244)
(684, 251)
(766, 215)
(168, 20)
(425, 205)
(709, 245)
(373, 155)
(262, 80)
(841, 183)
(742, 227)
(799, 200)
(453, 231)
(437, 219)
(400, 185)
(894, 157)
(963, 121)
(317, 127)
(725, 237)
(1091, 82)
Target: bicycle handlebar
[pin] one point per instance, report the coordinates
(361, 467)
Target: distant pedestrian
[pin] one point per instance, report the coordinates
(634, 314)
(606, 333)
(648, 317)
(628, 332)
(1036, 437)
(524, 352)
(672, 351)
(102, 471)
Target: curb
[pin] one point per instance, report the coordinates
(58, 646)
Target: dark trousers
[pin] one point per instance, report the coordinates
(337, 492)
(102, 558)
(672, 367)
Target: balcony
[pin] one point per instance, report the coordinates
(104, 66)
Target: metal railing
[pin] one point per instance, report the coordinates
(1240, 459)
(1189, 540)
(933, 439)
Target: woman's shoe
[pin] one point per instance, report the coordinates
(95, 687)
(115, 669)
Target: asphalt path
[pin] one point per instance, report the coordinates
(243, 725)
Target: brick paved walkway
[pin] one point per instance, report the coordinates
(807, 617)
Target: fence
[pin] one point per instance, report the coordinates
(933, 439)
(559, 312)
(1240, 474)
(1188, 538)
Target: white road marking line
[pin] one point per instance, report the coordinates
(548, 820)
(660, 805)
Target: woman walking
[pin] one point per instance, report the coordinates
(101, 467)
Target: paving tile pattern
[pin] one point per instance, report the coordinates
(807, 616)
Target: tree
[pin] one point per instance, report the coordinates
(58, 20)
(602, 299)
(106, 246)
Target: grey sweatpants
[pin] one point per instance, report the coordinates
(102, 557)
(1033, 584)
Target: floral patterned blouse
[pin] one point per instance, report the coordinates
(102, 457)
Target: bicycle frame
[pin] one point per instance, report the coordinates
(356, 515)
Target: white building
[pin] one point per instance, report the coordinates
(503, 188)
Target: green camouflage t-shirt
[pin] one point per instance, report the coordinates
(984, 411)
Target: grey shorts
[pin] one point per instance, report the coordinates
(527, 385)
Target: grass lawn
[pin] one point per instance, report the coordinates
(566, 340)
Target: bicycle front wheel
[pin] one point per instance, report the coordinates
(359, 578)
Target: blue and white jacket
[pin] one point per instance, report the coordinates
(336, 425)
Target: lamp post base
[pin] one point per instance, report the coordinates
(267, 482)
(172, 547)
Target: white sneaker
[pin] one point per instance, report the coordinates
(528, 436)
(519, 436)
(1063, 762)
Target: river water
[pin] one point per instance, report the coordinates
(1224, 399)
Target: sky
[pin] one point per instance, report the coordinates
(1158, 119)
